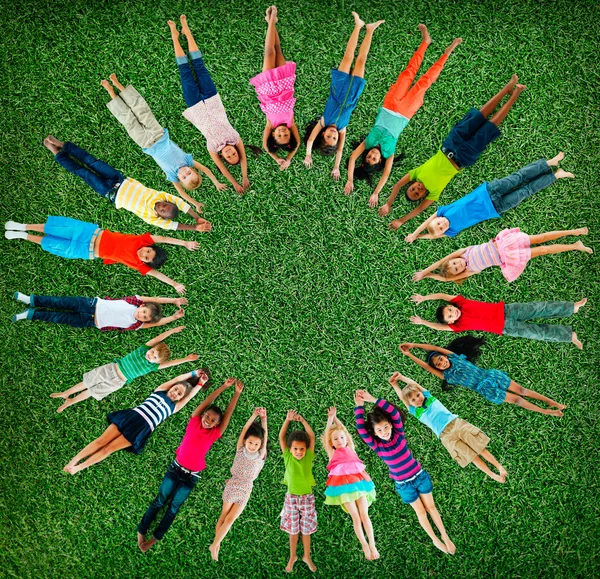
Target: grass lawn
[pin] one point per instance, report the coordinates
(300, 291)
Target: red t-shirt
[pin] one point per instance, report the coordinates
(122, 248)
(196, 443)
(484, 316)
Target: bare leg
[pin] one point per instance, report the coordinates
(518, 401)
(234, 511)
(279, 59)
(579, 304)
(224, 513)
(501, 114)
(363, 511)
(293, 557)
(270, 57)
(427, 500)
(113, 78)
(575, 340)
(73, 390)
(421, 512)
(487, 455)
(351, 46)
(306, 557)
(358, 529)
(107, 436)
(53, 144)
(70, 401)
(109, 89)
(39, 227)
(35, 239)
(486, 469)
(488, 108)
(451, 48)
(552, 235)
(185, 30)
(361, 59)
(118, 443)
(557, 248)
(518, 389)
(175, 38)
(560, 174)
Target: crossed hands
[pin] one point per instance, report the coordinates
(293, 415)
(261, 412)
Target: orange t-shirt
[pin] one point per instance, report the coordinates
(122, 248)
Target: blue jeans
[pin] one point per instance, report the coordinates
(516, 324)
(80, 311)
(100, 176)
(176, 484)
(195, 88)
(507, 193)
(409, 491)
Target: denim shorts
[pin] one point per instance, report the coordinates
(410, 490)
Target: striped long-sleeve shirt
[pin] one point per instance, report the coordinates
(394, 452)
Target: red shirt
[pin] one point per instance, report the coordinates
(122, 248)
(196, 443)
(484, 316)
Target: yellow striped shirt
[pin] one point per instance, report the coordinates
(138, 199)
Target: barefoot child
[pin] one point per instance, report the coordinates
(154, 207)
(130, 429)
(462, 147)
(299, 514)
(455, 366)
(348, 484)
(207, 424)
(490, 200)
(462, 440)
(327, 135)
(133, 112)
(510, 250)
(275, 91)
(74, 239)
(128, 313)
(249, 461)
(102, 381)
(399, 106)
(205, 109)
(383, 430)
(462, 315)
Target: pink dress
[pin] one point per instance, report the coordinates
(275, 91)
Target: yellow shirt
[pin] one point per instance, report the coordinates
(138, 199)
(435, 174)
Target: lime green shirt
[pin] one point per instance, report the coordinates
(298, 473)
(435, 174)
(135, 364)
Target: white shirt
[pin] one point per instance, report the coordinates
(115, 313)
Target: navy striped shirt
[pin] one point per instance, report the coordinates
(156, 408)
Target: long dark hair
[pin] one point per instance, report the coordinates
(273, 146)
(319, 144)
(469, 346)
(364, 170)
(378, 415)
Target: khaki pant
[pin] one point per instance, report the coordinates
(463, 441)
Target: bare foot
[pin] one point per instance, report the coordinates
(441, 546)
(367, 551)
(274, 14)
(555, 413)
(148, 544)
(268, 13)
(581, 231)
(395, 224)
(375, 25)
(290, 566)
(556, 160)
(498, 478)
(214, 551)
(560, 174)
(374, 553)
(576, 341)
(357, 21)
(454, 44)
(185, 29)
(173, 27)
(579, 304)
(580, 247)
(450, 546)
(560, 406)
(69, 468)
(503, 472)
(58, 395)
(425, 33)
(309, 562)
(514, 79)
(58, 144)
(64, 406)
(140, 539)
(109, 89)
(519, 88)
(113, 78)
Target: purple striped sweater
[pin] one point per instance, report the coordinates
(394, 452)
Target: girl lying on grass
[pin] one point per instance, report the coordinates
(461, 148)
(327, 135)
(383, 430)
(510, 250)
(154, 207)
(490, 200)
(275, 91)
(104, 380)
(399, 105)
(74, 239)
(348, 484)
(465, 442)
(205, 108)
(251, 452)
(455, 366)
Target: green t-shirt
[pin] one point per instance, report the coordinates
(387, 129)
(435, 174)
(135, 364)
(298, 473)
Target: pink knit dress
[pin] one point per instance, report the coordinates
(275, 91)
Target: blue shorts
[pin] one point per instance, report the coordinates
(70, 238)
(468, 138)
(410, 490)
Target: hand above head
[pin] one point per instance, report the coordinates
(238, 387)
(179, 314)
(192, 245)
(349, 187)
(384, 210)
(393, 380)
(283, 166)
(203, 226)
(418, 276)
(245, 183)
(221, 186)
(199, 207)
(180, 288)
(410, 238)
(291, 415)
(405, 348)
(229, 382)
(308, 161)
(417, 320)
(192, 357)
(238, 188)
(181, 302)
(261, 411)
(359, 399)
(331, 412)
(366, 396)
(177, 329)
(335, 173)
(417, 298)
(374, 200)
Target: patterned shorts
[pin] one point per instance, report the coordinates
(299, 514)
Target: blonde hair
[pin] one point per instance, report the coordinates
(162, 351)
(408, 390)
(432, 231)
(196, 184)
(326, 438)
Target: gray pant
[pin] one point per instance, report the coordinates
(508, 192)
(133, 112)
(516, 315)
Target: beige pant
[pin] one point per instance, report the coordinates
(133, 112)
(463, 441)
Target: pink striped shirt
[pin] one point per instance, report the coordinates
(479, 257)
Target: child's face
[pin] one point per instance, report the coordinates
(146, 254)
(441, 362)
(416, 399)
(439, 226)
(298, 449)
(451, 314)
(210, 419)
(383, 430)
(281, 134)
(164, 209)
(331, 136)
(373, 156)
(339, 439)
(176, 392)
(188, 177)
(142, 314)
(456, 266)
(152, 356)
(230, 154)
(416, 191)
(252, 443)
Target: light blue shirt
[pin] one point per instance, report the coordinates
(387, 129)
(433, 414)
(169, 156)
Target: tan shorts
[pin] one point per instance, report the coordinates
(102, 381)
(463, 441)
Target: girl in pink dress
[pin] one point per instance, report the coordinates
(511, 250)
(249, 461)
(275, 90)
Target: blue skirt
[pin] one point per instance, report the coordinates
(344, 92)
(133, 427)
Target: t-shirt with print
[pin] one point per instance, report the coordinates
(197, 441)
(298, 473)
(433, 414)
(136, 364)
(169, 157)
(484, 316)
(435, 174)
(122, 248)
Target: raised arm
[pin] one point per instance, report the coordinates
(225, 172)
(162, 337)
(385, 208)
(191, 245)
(171, 363)
(421, 274)
(419, 209)
(419, 321)
(331, 412)
(182, 193)
(210, 175)
(335, 172)
(284, 428)
(201, 224)
(416, 234)
(396, 376)
(181, 403)
(266, 133)
(359, 416)
(179, 287)
(387, 169)
(291, 154)
(417, 298)
(351, 164)
(243, 164)
(249, 423)
(309, 431)
(175, 301)
(213, 396)
(231, 406)
(309, 143)
(405, 349)
(180, 378)
(262, 412)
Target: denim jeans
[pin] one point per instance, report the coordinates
(176, 484)
(516, 325)
(100, 176)
(508, 192)
(80, 311)
(198, 88)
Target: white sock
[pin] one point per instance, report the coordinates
(14, 226)
(21, 316)
(23, 298)
(15, 234)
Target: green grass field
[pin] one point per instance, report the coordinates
(300, 291)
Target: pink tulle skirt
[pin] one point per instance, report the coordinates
(515, 251)
(275, 91)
